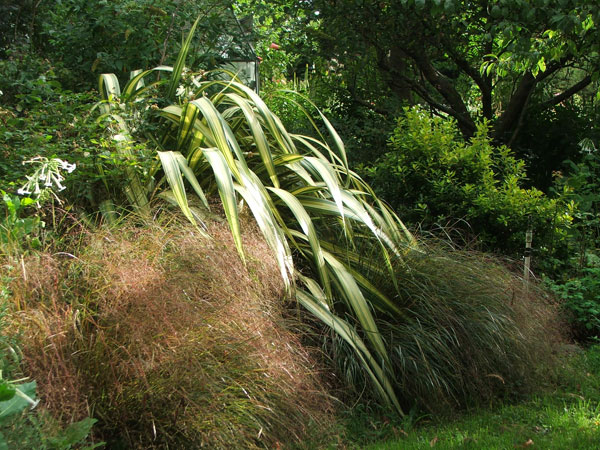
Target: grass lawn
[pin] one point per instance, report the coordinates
(566, 417)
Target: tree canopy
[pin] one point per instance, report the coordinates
(471, 60)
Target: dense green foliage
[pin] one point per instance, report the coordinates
(469, 60)
(89, 38)
(529, 68)
(432, 177)
(576, 280)
(410, 324)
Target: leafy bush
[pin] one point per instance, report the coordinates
(579, 184)
(581, 298)
(27, 79)
(432, 177)
(16, 229)
(550, 137)
(51, 123)
(94, 37)
(577, 269)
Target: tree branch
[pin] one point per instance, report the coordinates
(566, 94)
(483, 82)
(515, 107)
(445, 88)
(422, 92)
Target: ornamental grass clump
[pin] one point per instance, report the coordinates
(471, 330)
(169, 340)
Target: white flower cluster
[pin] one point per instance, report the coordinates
(190, 83)
(46, 176)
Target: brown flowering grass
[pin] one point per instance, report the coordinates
(168, 339)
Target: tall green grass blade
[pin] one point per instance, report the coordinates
(173, 174)
(379, 378)
(336, 138)
(136, 85)
(186, 131)
(189, 175)
(309, 230)
(356, 301)
(224, 182)
(258, 136)
(263, 214)
(221, 135)
(328, 176)
(180, 62)
(109, 86)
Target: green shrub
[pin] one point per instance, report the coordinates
(26, 78)
(550, 136)
(580, 296)
(576, 269)
(579, 183)
(94, 37)
(433, 178)
(17, 230)
(51, 122)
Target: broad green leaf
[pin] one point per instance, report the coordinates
(272, 122)
(173, 174)
(221, 135)
(186, 130)
(309, 230)
(272, 232)
(7, 390)
(174, 114)
(135, 190)
(136, 86)
(356, 301)
(189, 174)
(109, 86)
(23, 398)
(328, 176)
(258, 136)
(338, 141)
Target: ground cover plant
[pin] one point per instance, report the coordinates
(22, 425)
